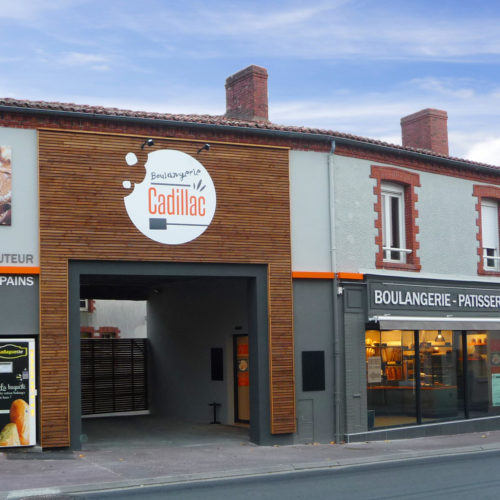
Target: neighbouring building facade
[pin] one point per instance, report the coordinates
(317, 285)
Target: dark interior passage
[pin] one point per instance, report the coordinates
(188, 319)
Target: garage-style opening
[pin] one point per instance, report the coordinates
(165, 359)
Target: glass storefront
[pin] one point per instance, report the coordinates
(390, 362)
(420, 376)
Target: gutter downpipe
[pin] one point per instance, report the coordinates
(336, 329)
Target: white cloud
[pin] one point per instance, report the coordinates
(485, 151)
(28, 10)
(328, 29)
(93, 61)
(444, 87)
(333, 30)
(473, 123)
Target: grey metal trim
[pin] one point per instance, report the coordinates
(435, 323)
(260, 131)
(256, 275)
(459, 426)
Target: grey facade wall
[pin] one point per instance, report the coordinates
(310, 211)
(447, 222)
(185, 321)
(19, 306)
(446, 218)
(313, 325)
(355, 215)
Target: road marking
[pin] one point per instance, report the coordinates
(33, 492)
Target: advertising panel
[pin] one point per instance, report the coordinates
(17, 392)
(5, 186)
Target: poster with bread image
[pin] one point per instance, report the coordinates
(17, 393)
(17, 431)
(5, 186)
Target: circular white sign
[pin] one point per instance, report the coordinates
(175, 203)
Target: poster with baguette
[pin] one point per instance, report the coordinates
(17, 393)
(5, 186)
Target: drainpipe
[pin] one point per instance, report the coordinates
(336, 330)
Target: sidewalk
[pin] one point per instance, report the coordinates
(51, 473)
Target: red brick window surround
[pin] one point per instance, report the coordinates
(485, 193)
(408, 181)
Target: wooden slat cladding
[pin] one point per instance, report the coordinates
(83, 217)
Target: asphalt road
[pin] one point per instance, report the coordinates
(469, 476)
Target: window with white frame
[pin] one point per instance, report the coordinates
(393, 222)
(489, 232)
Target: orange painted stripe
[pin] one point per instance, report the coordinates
(313, 275)
(19, 270)
(327, 275)
(350, 276)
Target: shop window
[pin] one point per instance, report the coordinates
(416, 377)
(488, 229)
(396, 218)
(87, 305)
(391, 378)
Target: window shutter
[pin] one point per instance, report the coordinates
(489, 224)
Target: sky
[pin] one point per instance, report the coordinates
(352, 66)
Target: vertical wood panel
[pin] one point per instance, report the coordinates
(83, 217)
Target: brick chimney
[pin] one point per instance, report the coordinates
(246, 94)
(426, 129)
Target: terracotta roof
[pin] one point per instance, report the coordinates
(216, 120)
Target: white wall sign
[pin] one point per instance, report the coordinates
(374, 370)
(19, 207)
(175, 203)
(495, 389)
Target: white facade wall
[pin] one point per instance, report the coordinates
(21, 238)
(127, 315)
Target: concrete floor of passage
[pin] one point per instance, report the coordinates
(150, 430)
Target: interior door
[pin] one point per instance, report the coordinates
(242, 379)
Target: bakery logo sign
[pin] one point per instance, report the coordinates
(11, 351)
(175, 203)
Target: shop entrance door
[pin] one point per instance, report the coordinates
(242, 379)
(480, 372)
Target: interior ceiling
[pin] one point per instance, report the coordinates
(126, 287)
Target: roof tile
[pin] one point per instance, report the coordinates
(213, 120)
